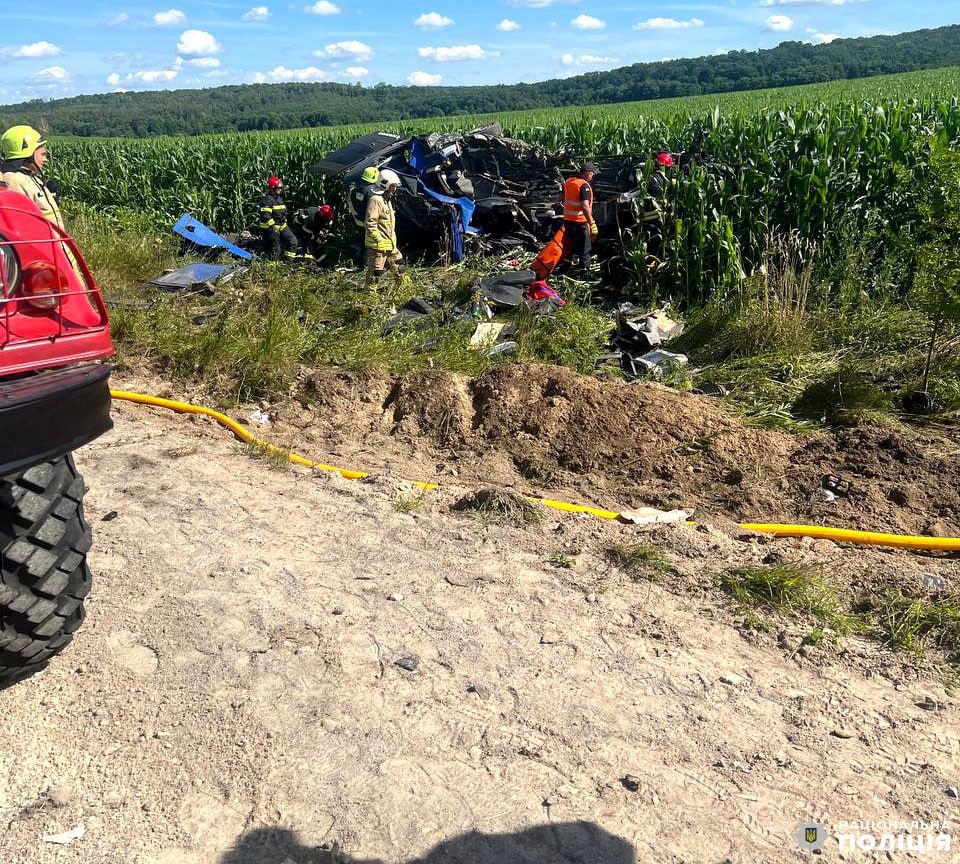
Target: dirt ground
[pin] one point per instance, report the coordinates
(281, 668)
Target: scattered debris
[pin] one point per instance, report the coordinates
(196, 278)
(650, 515)
(66, 837)
(711, 388)
(842, 733)
(408, 662)
(933, 582)
(630, 783)
(198, 237)
(261, 418)
(732, 679)
(109, 517)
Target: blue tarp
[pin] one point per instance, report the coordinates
(196, 232)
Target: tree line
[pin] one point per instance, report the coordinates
(240, 108)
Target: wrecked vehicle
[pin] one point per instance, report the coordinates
(482, 192)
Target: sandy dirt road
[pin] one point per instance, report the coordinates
(279, 668)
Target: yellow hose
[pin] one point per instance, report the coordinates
(864, 538)
(838, 535)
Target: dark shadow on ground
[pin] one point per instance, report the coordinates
(562, 843)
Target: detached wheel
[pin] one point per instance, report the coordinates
(44, 541)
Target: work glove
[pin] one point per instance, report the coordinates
(594, 233)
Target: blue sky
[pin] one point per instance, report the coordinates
(66, 48)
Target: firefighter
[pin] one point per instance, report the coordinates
(358, 196)
(578, 221)
(275, 234)
(380, 230)
(311, 226)
(655, 205)
(24, 153)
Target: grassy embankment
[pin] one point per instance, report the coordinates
(805, 266)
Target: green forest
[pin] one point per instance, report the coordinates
(289, 106)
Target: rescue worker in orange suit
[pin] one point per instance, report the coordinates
(578, 223)
(312, 227)
(274, 231)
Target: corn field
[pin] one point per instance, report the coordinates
(828, 161)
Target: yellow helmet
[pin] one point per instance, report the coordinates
(20, 142)
(370, 174)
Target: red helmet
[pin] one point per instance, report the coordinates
(274, 183)
(326, 213)
(665, 160)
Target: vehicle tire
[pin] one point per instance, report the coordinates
(44, 541)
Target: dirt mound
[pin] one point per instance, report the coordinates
(548, 430)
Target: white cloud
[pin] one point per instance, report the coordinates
(824, 38)
(424, 79)
(667, 24)
(204, 62)
(169, 18)
(282, 73)
(349, 50)
(354, 72)
(197, 42)
(257, 13)
(539, 4)
(432, 21)
(51, 75)
(321, 7)
(592, 60)
(38, 49)
(779, 23)
(455, 53)
(587, 22)
(507, 26)
(118, 20)
(113, 79)
(154, 76)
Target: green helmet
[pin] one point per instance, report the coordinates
(20, 142)
(370, 175)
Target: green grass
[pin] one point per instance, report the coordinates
(915, 623)
(501, 506)
(638, 561)
(408, 502)
(790, 589)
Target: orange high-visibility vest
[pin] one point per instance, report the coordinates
(572, 205)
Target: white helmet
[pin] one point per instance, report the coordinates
(389, 178)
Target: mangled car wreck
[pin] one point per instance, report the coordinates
(482, 192)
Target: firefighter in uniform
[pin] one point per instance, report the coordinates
(311, 225)
(274, 231)
(380, 230)
(655, 204)
(24, 153)
(578, 221)
(358, 196)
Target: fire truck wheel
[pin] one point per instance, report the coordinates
(44, 541)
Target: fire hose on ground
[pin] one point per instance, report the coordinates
(837, 535)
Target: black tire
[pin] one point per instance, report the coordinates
(44, 541)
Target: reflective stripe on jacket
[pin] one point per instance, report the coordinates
(273, 212)
(573, 210)
(380, 224)
(36, 190)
